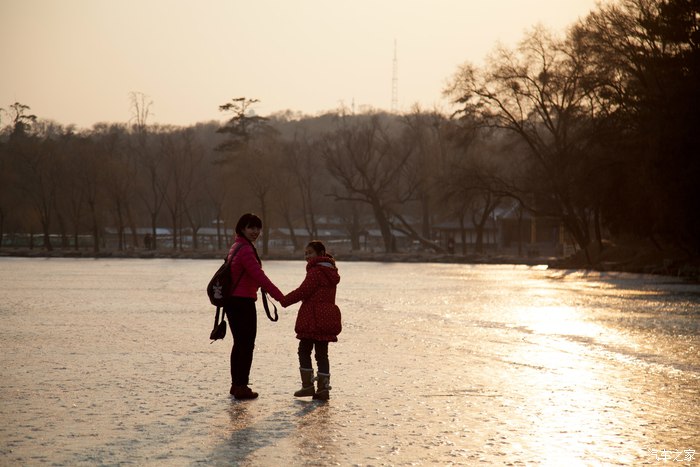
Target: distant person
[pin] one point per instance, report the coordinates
(247, 274)
(318, 321)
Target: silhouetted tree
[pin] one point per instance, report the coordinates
(252, 148)
(646, 57)
(362, 156)
(427, 131)
(540, 92)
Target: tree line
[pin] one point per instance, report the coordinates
(596, 126)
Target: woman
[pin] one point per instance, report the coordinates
(247, 274)
(318, 321)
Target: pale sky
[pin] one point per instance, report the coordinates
(76, 61)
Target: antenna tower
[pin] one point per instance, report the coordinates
(395, 84)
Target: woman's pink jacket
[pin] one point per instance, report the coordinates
(247, 271)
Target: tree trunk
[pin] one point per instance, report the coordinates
(47, 238)
(463, 233)
(425, 205)
(384, 227)
(195, 241)
(132, 225)
(63, 230)
(520, 231)
(266, 225)
(598, 233)
(355, 233)
(292, 234)
(153, 232)
(95, 233)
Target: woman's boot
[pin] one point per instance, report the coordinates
(307, 383)
(323, 382)
(243, 392)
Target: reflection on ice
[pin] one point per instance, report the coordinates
(557, 320)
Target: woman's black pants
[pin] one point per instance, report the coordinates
(243, 321)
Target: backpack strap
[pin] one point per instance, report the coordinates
(267, 308)
(216, 317)
(235, 250)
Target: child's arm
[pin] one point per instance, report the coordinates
(301, 293)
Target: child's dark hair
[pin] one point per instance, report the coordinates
(318, 247)
(248, 220)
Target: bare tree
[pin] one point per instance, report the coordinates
(427, 131)
(644, 62)
(91, 176)
(361, 155)
(253, 149)
(120, 185)
(154, 179)
(39, 166)
(539, 92)
(302, 159)
(217, 192)
(182, 160)
(189, 179)
(75, 204)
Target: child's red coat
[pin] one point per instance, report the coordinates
(319, 317)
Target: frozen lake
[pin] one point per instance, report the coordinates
(108, 362)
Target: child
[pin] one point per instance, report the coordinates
(318, 321)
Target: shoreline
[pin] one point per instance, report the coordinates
(285, 256)
(614, 260)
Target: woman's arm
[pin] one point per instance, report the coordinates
(252, 267)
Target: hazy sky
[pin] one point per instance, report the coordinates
(76, 61)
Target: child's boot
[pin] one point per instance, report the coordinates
(307, 383)
(323, 382)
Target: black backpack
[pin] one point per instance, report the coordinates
(220, 285)
(218, 290)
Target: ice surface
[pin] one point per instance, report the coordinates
(108, 362)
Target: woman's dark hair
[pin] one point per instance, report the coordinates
(248, 220)
(318, 247)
